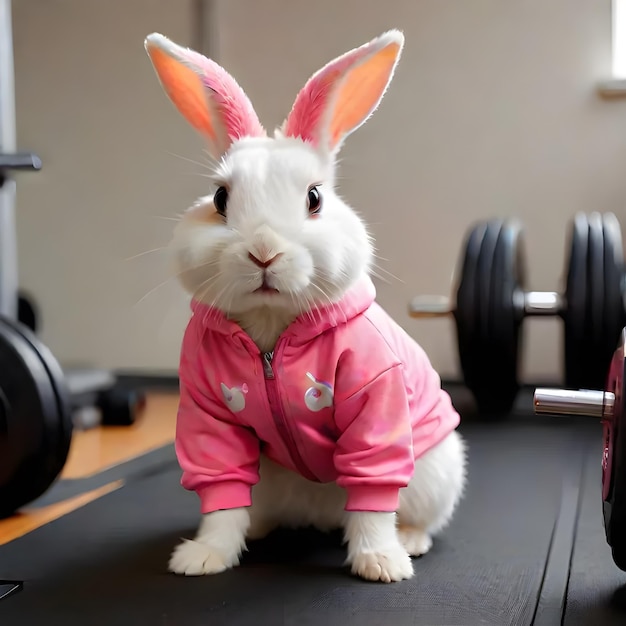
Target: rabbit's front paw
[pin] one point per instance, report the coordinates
(391, 565)
(193, 558)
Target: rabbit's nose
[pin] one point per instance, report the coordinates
(263, 263)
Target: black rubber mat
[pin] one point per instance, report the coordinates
(597, 589)
(154, 461)
(505, 559)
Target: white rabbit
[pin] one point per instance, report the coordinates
(343, 422)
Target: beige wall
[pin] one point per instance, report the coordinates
(89, 103)
(492, 112)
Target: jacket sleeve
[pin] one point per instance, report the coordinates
(218, 456)
(374, 455)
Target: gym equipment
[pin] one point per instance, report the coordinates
(27, 312)
(35, 417)
(608, 406)
(594, 315)
(40, 403)
(491, 302)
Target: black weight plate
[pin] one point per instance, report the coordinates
(60, 433)
(479, 327)
(473, 297)
(595, 277)
(595, 365)
(65, 425)
(17, 362)
(466, 313)
(506, 315)
(614, 460)
(614, 316)
(595, 313)
(43, 415)
(34, 442)
(484, 273)
(575, 321)
(62, 429)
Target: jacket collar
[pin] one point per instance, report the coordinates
(307, 325)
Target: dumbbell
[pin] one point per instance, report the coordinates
(608, 407)
(490, 303)
(35, 417)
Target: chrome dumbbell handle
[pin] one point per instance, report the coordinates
(431, 306)
(533, 303)
(566, 402)
(542, 303)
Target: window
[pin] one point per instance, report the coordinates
(615, 86)
(619, 39)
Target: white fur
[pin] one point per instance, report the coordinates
(268, 179)
(379, 544)
(218, 545)
(318, 259)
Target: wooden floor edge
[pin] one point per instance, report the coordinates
(28, 520)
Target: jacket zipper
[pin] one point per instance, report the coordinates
(278, 414)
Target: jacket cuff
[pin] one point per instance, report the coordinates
(224, 495)
(372, 498)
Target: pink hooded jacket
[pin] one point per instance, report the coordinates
(346, 396)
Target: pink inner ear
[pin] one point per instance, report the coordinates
(311, 103)
(228, 98)
(343, 94)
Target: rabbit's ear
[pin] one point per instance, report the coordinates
(206, 95)
(342, 95)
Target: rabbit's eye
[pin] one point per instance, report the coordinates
(219, 200)
(314, 201)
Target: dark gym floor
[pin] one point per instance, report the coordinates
(527, 546)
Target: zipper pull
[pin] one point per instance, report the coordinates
(267, 364)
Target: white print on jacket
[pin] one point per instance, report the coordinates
(319, 396)
(235, 398)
